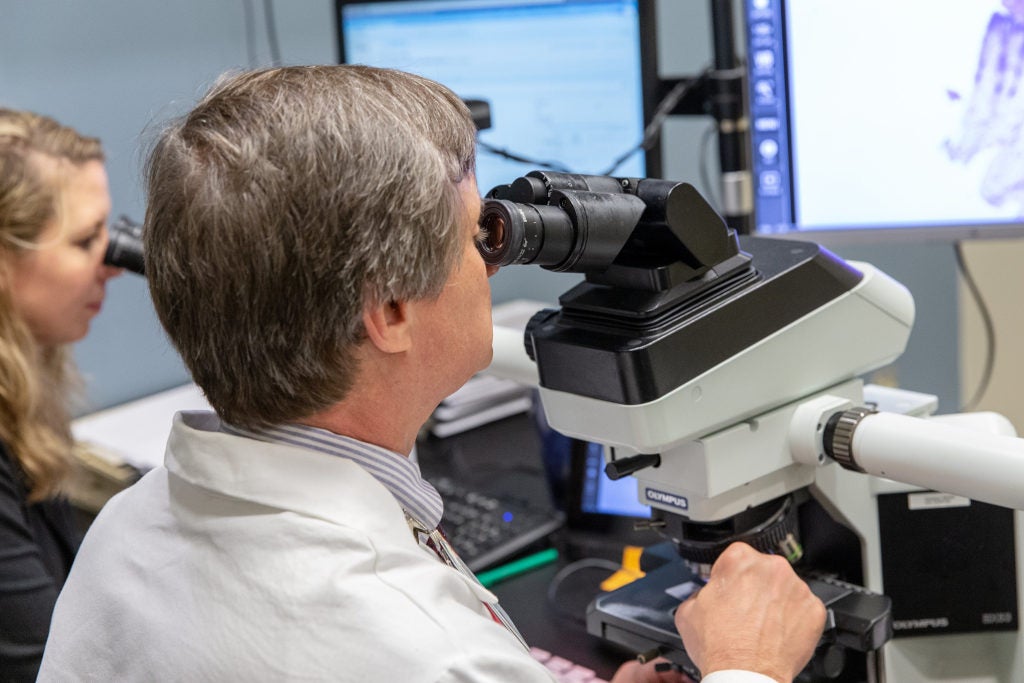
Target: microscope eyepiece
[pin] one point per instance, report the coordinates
(124, 249)
(559, 221)
(617, 229)
(526, 233)
(494, 219)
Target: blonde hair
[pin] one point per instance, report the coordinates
(35, 382)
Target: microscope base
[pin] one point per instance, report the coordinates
(639, 617)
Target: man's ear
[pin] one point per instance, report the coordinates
(388, 326)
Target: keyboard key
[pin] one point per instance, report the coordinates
(564, 670)
(558, 665)
(540, 655)
(484, 529)
(578, 674)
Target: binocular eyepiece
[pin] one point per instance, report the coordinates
(124, 250)
(563, 222)
(568, 222)
(586, 224)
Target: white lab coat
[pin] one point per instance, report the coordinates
(247, 561)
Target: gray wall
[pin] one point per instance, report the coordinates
(117, 68)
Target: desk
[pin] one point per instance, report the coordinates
(502, 457)
(525, 599)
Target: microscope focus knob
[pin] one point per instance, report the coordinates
(770, 527)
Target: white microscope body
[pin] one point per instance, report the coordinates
(727, 444)
(730, 389)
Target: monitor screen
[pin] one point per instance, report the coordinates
(603, 496)
(563, 77)
(881, 119)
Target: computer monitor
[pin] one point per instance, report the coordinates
(600, 495)
(564, 78)
(877, 120)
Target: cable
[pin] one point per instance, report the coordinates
(275, 49)
(250, 32)
(653, 130)
(567, 571)
(512, 156)
(990, 332)
(651, 133)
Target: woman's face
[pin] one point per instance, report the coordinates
(58, 286)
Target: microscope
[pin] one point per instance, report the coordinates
(124, 249)
(723, 373)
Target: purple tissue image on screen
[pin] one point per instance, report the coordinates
(994, 113)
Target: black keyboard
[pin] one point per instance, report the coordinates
(486, 529)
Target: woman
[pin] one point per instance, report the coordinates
(54, 205)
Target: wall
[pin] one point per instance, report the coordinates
(996, 268)
(117, 68)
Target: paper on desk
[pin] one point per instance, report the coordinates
(136, 432)
(510, 360)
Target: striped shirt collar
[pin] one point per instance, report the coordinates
(397, 473)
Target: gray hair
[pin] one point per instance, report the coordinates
(282, 205)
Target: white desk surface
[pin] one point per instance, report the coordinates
(136, 432)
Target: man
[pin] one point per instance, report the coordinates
(310, 246)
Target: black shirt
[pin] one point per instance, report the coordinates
(37, 545)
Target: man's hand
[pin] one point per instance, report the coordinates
(753, 614)
(635, 672)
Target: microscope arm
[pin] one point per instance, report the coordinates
(973, 455)
(935, 453)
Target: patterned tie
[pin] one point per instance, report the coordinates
(438, 543)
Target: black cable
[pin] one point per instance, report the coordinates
(512, 156)
(990, 332)
(250, 32)
(651, 133)
(275, 49)
(567, 571)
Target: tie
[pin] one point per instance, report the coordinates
(436, 541)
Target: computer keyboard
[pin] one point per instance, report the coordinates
(486, 529)
(564, 670)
